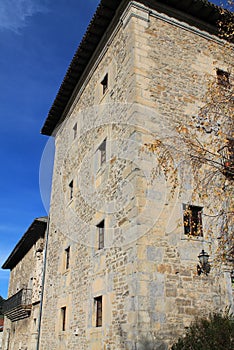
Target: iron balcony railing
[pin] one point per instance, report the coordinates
(18, 306)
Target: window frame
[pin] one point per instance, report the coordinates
(192, 220)
(230, 152)
(227, 158)
(74, 131)
(35, 323)
(223, 78)
(67, 257)
(98, 311)
(63, 318)
(104, 84)
(101, 234)
(71, 190)
(102, 152)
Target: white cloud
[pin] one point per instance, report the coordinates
(15, 13)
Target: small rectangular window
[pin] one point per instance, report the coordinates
(74, 131)
(192, 220)
(102, 151)
(98, 302)
(227, 158)
(63, 318)
(101, 231)
(104, 84)
(223, 78)
(71, 189)
(67, 258)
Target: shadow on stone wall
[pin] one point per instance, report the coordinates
(148, 343)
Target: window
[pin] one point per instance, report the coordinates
(223, 77)
(35, 323)
(101, 229)
(98, 306)
(71, 190)
(232, 278)
(63, 318)
(192, 220)
(227, 154)
(104, 84)
(102, 151)
(74, 131)
(67, 258)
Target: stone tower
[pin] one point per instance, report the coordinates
(126, 226)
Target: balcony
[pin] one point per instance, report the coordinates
(18, 306)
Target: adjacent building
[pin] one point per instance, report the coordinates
(1, 329)
(22, 308)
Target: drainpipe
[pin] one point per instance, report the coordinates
(43, 284)
(7, 339)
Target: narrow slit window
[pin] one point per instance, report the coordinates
(104, 84)
(102, 150)
(67, 258)
(192, 220)
(63, 318)
(74, 131)
(71, 190)
(223, 77)
(98, 302)
(101, 234)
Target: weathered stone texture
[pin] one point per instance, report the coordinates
(23, 334)
(146, 273)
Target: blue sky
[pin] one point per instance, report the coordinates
(37, 41)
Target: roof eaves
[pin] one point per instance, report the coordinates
(34, 232)
(101, 20)
(200, 12)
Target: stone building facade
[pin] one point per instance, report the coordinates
(22, 308)
(1, 329)
(122, 261)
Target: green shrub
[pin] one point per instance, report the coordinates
(213, 333)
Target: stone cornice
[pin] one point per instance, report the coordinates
(94, 45)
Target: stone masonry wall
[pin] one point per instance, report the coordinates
(91, 272)
(146, 273)
(22, 334)
(173, 68)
